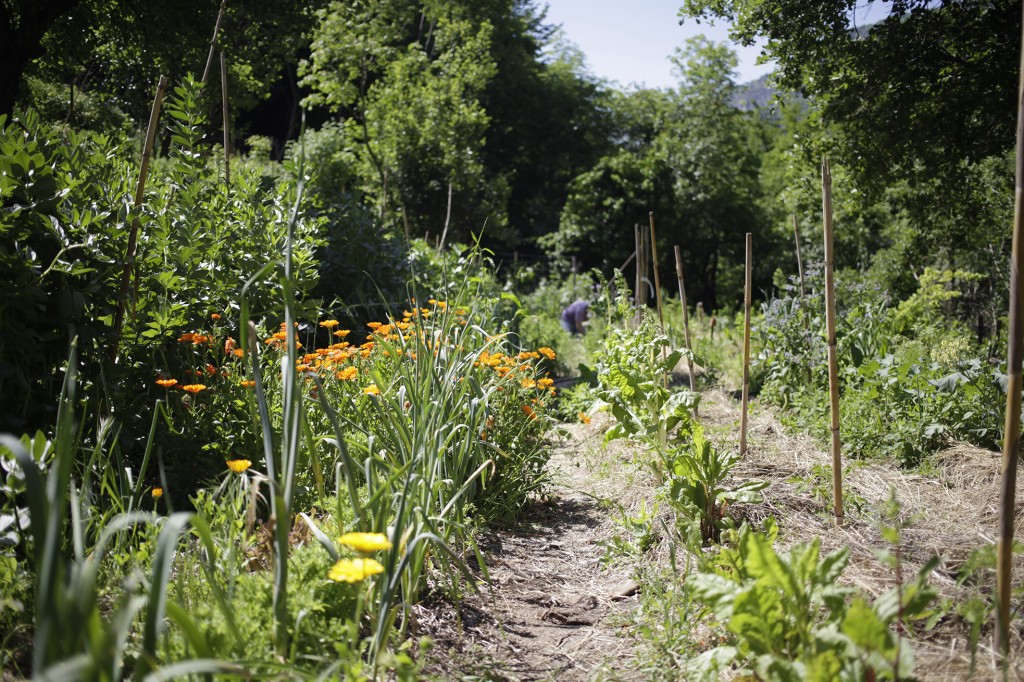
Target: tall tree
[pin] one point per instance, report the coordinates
(23, 23)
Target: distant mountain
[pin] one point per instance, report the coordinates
(757, 94)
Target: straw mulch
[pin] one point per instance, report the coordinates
(950, 514)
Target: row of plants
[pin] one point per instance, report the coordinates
(731, 602)
(912, 378)
(239, 480)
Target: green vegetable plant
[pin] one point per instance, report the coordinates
(697, 485)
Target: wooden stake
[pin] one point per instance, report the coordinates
(133, 235)
(833, 358)
(1011, 439)
(213, 42)
(447, 218)
(746, 345)
(639, 272)
(657, 279)
(227, 119)
(686, 317)
(800, 271)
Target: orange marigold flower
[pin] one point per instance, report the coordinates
(547, 352)
(546, 382)
(194, 388)
(210, 369)
(529, 412)
(528, 383)
(371, 390)
(248, 383)
(215, 316)
(347, 374)
(238, 465)
(166, 383)
(186, 337)
(341, 333)
(373, 325)
(238, 353)
(229, 346)
(584, 417)
(328, 324)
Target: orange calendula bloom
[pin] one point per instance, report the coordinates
(186, 337)
(194, 388)
(238, 465)
(547, 352)
(584, 417)
(249, 383)
(166, 383)
(328, 324)
(157, 493)
(347, 374)
(341, 333)
(546, 382)
(229, 345)
(371, 390)
(210, 369)
(529, 412)
(528, 383)
(215, 316)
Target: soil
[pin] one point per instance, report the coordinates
(557, 609)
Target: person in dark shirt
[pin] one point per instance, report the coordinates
(574, 315)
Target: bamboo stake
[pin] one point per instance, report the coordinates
(639, 274)
(224, 106)
(746, 345)
(800, 270)
(833, 360)
(133, 235)
(657, 280)
(1011, 442)
(213, 41)
(686, 318)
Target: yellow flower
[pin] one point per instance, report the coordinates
(371, 390)
(166, 383)
(547, 352)
(528, 383)
(347, 374)
(238, 465)
(194, 388)
(157, 493)
(585, 418)
(354, 570)
(329, 323)
(249, 383)
(341, 333)
(365, 543)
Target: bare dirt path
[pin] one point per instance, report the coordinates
(553, 611)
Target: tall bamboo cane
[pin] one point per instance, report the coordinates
(833, 359)
(657, 280)
(213, 42)
(686, 317)
(639, 274)
(800, 271)
(1011, 441)
(746, 344)
(133, 235)
(224, 107)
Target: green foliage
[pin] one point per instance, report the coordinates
(631, 374)
(792, 620)
(697, 474)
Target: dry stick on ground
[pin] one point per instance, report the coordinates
(1011, 439)
(224, 106)
(686, 319)
(213, 42)
(133, 235)
(833, 361)
(746, 345)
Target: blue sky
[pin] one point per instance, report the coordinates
(629, 41)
